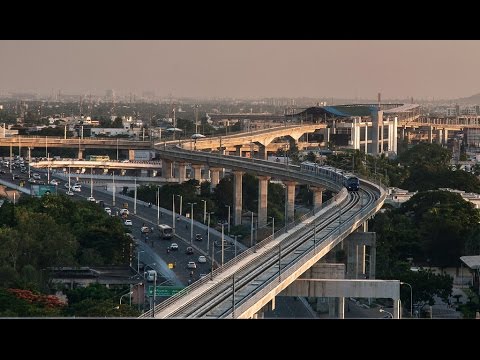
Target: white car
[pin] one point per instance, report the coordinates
(202, 259)
(70, 193)
(191, 265)
(128, 222)
(76, 188)
(174, 246)
(91, 198)
(124, 212)
(54, 182)
(108, 210)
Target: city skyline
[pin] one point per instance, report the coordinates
(244, 69)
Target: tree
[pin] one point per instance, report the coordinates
(425, 286)
(426, 156)
(311, 157)
(117, 123)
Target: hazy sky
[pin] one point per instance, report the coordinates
(348, 69)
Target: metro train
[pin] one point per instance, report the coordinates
(349, 180)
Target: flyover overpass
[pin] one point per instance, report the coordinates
(243, 286)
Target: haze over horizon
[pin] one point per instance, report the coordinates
(244, 69)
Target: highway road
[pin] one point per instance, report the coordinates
(152, 249)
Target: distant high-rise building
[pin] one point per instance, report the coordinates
(109, 95)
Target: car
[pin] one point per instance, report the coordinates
(191, 265)
(91, 198)
(69, 193)
(124, 212)
(189, 250)
(202, 259)
(108, 210)
(198, 237)
(54, 182)
(128, 222)
(125, 161)
(76, 188)
(218, 243)
(145, 230)
(173, 246)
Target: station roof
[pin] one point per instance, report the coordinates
(357, 109)
(473, 262)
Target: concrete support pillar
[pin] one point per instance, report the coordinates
(377, 121)
(396, 308)
(262, 200)
(445, 136)
(255, 316)
(440, 136)
(290, 200)
(167, 169)
(80, 154)
(430, 134)
(341, 308)
(395, 134)
(360, 263)
(317, 196)
(237, 197)
(262, 152)
(182, 175)
(238, 150)
(214, 177)
(332, 304)
(373, 261)
(197, 172)
(131, 155)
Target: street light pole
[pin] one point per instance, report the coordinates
(113, 188)
(208, 231)
(411, 297)
(273, 227)
(154, 293)
(228, 219)
(173, 213)
(251, 231)
(388, 312)
(135, 200)
(129, 293)
(181, 204)
(158, 205)
(204, 211)
(191, 222)
(223, 225)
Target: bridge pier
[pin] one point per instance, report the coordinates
(80, 154)
(182, 176)
(317, 196)
(262, 200)
(167, 169)
(356, 251)
(131, 155)
(214, 177)
(197, 172)
(237, 197)
(290, 200)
